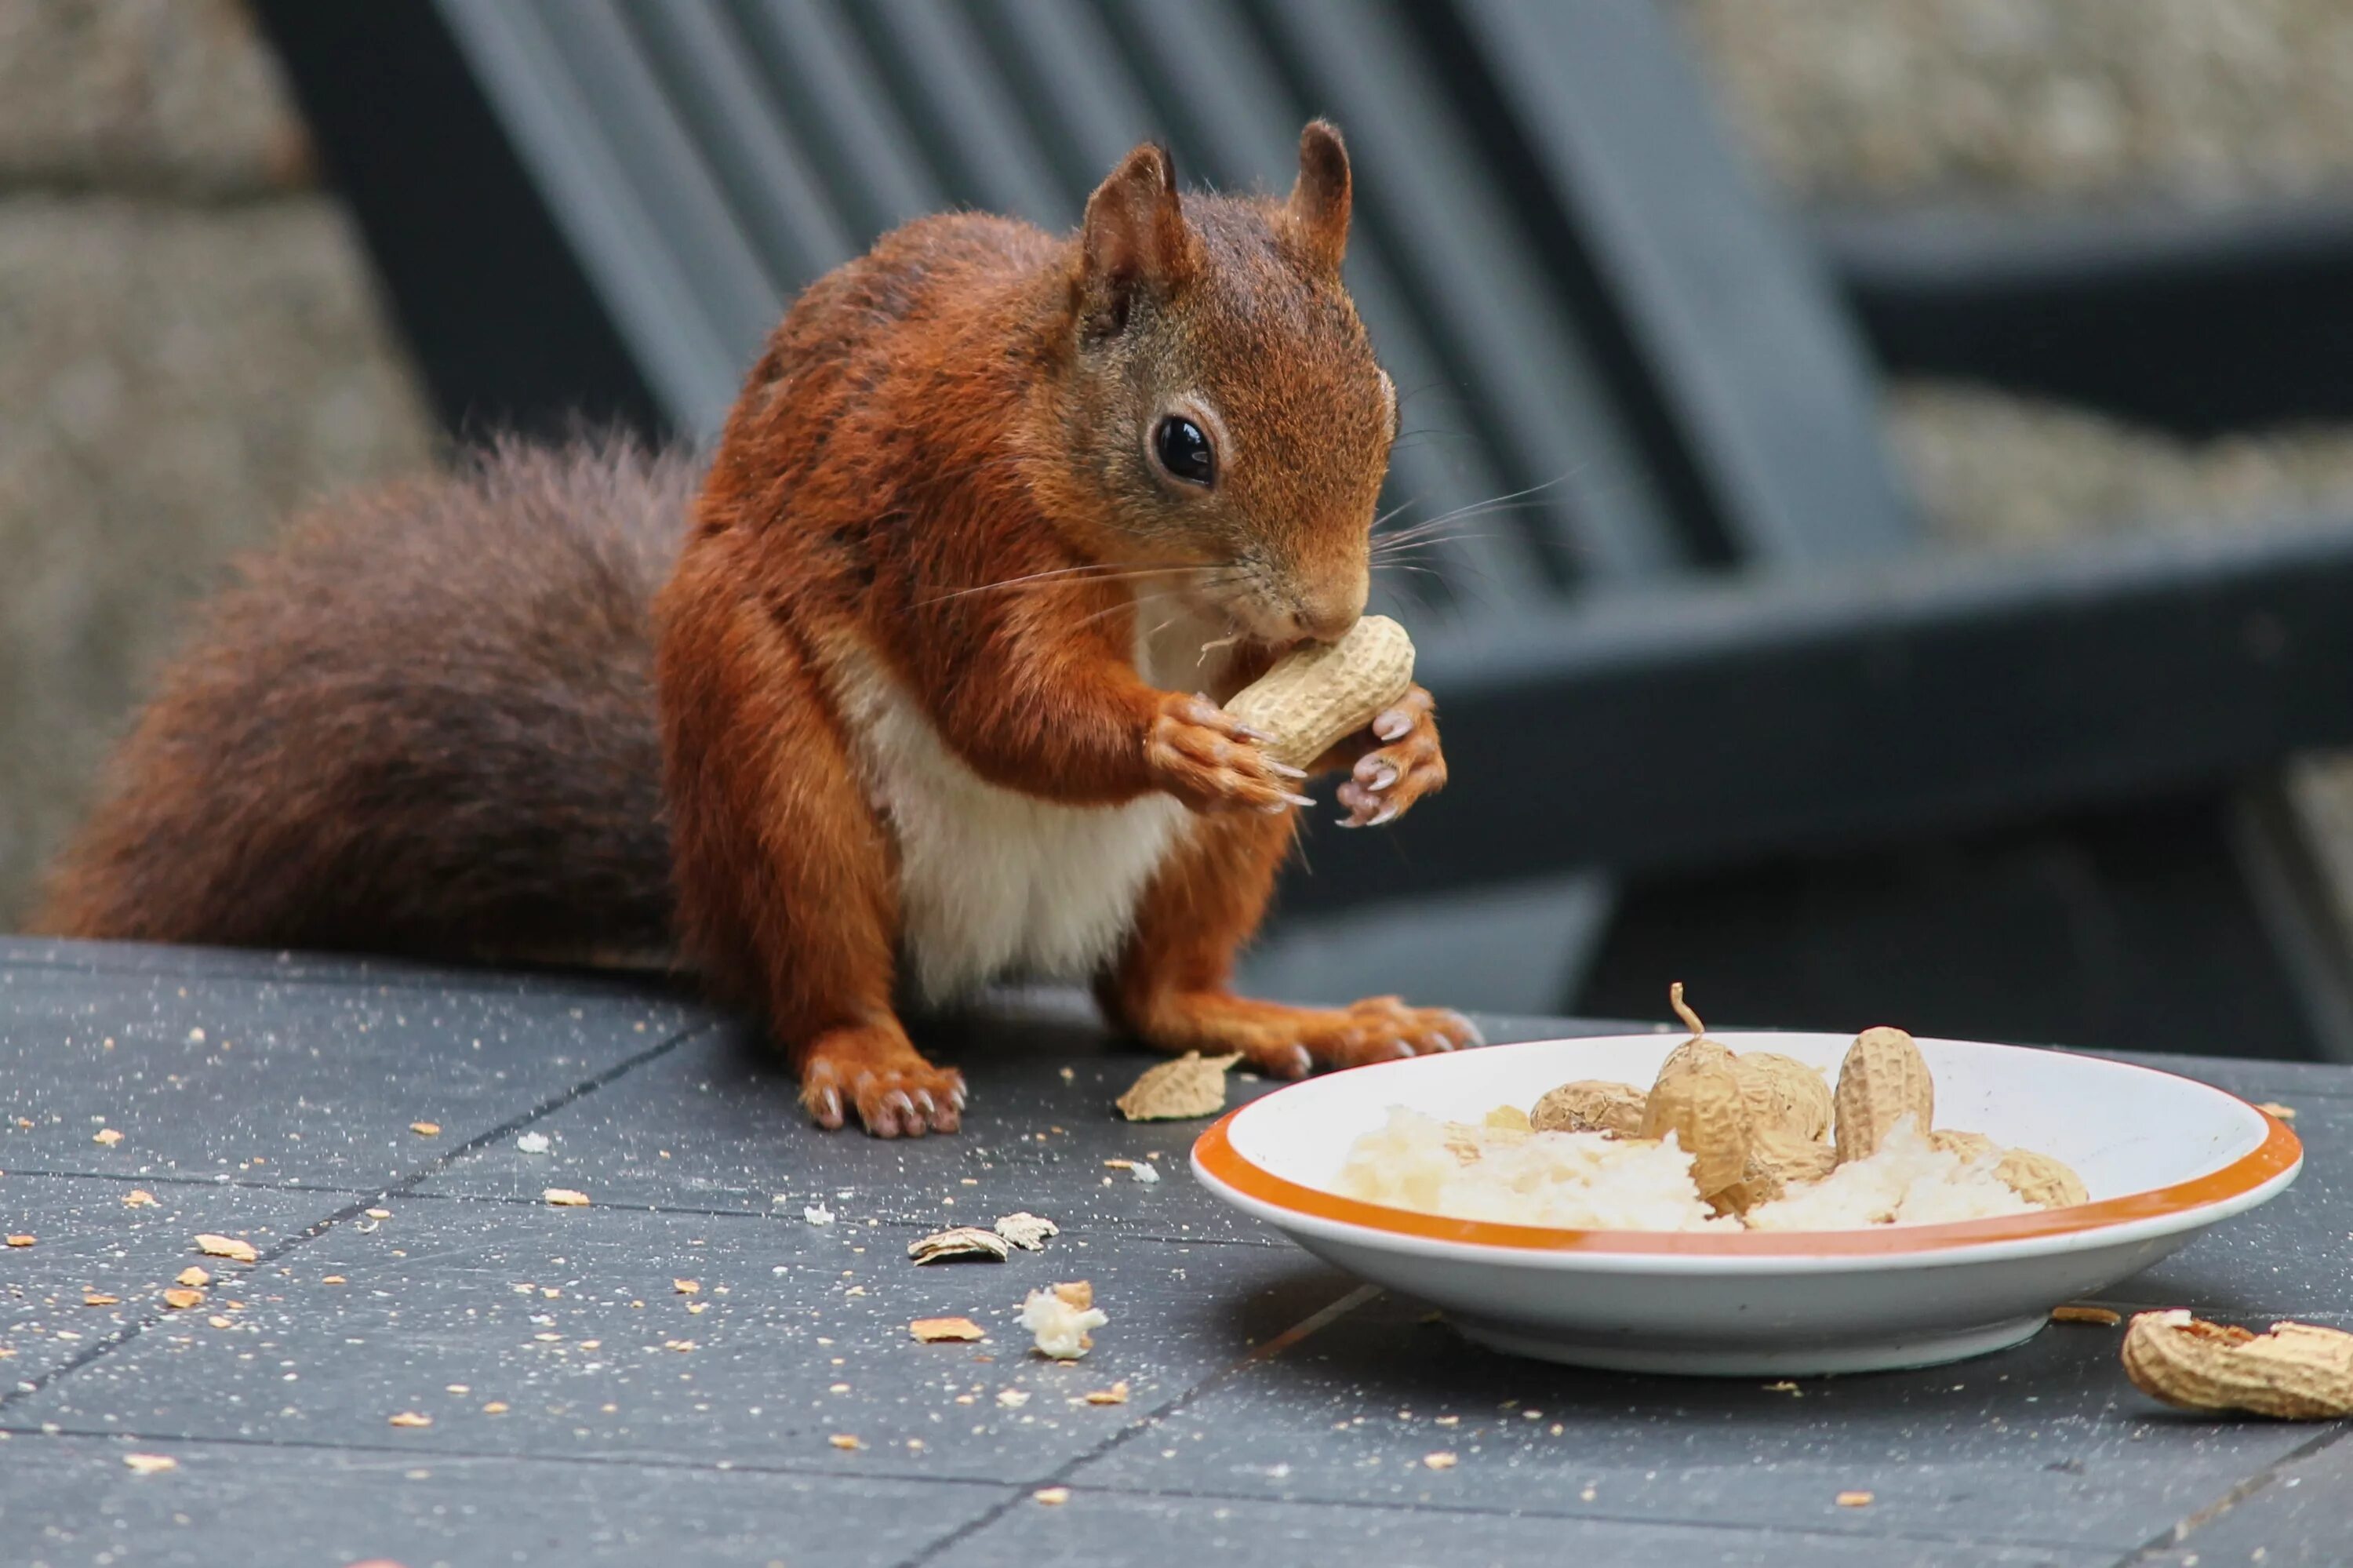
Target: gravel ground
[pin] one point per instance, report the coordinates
(2113, 100)
(1995, 470)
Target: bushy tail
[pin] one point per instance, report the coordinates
(423, 725)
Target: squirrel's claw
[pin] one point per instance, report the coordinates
(1385, 783)
(1203, 755)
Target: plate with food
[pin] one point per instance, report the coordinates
(1747, 1204)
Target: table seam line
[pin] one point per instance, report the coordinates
(155, 1316)
(452, 980)
(2253, 1486)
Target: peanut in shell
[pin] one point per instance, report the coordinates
(1784, 1093)
(1697, 1097)
(1315, 694)
(2298, 1371)
(2045, 1183)
(1969, 1145)
(1590, 1105)
(1883, 1080)
(1779, 1159)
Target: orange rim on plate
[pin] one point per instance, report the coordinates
(2277, 1153)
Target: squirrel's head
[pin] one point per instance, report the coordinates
(1223, 401)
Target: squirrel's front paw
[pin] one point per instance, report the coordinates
(1213, 761)
(875, 1072)
(1407, 766)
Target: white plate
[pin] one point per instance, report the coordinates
(2163, 1158)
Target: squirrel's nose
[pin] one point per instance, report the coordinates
(1328, 620)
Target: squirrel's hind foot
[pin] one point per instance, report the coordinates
(1287, 1041)
(875, 1072)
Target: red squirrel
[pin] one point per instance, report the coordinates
(929, 696)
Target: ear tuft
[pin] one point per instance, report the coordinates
(1320, 200)
(1134, 236)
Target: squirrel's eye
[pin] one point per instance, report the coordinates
(1184, 452)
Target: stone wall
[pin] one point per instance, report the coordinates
(189, 345)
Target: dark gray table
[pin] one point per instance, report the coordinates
(584, 1410)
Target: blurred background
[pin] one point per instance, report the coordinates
(2091, 262)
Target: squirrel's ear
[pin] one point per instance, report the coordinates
(1319, 202)
(1136, 236)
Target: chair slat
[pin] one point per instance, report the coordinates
(843, 114)
(1760, 374)
(774, 187)
(632, 258)
(953, 99)
(1526, 369)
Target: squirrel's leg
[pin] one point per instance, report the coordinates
(1170, 986)
(787, 892)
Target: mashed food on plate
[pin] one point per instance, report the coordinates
(1719, 1142)
(1594, 1180)
(1584, 1181)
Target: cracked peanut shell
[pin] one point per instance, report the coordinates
(2298, 1371)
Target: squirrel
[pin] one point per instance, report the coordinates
(915, 690)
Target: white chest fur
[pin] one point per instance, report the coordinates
(993, 882)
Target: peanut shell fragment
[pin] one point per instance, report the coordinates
(2077, 1312)
(1883, 1080)
(931, 1331)
(1192, 1085)
(1319, 692)
(962, 1241)
(1590, 1105)
(1027, 1231)
(2298, 1371)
